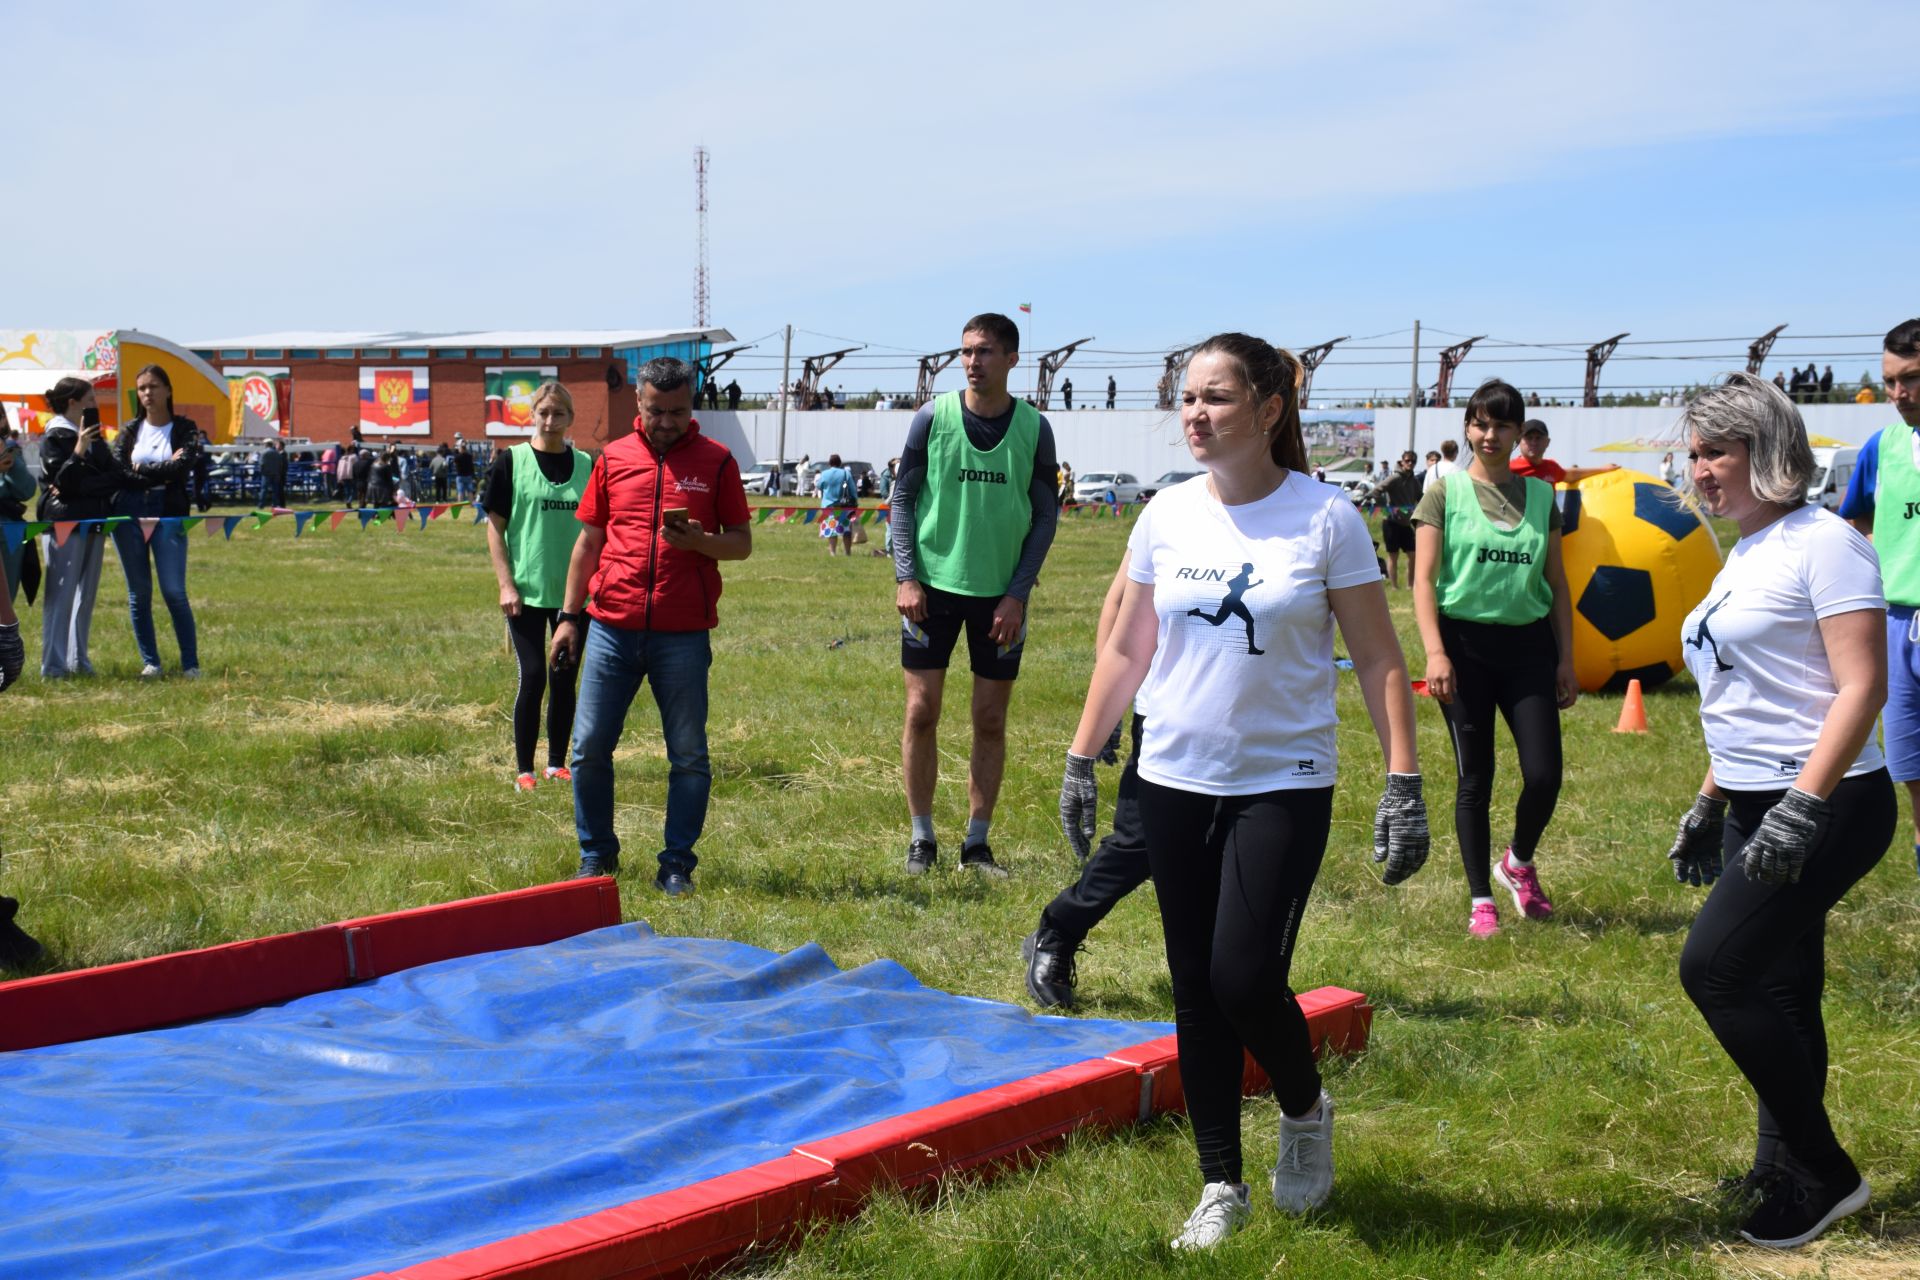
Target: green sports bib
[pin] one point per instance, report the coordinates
(1490, 574)
(974, 509)
(1896, 529)
(542, 529)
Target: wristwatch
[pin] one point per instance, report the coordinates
(564, 616)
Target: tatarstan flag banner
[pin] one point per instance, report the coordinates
(510, 397)
(393, 400)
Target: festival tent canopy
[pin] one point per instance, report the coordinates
(32, 360)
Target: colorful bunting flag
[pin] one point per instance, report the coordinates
(338, 516)
(62, 530)
(300, 519)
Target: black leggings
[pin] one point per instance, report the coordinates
(1232, 874)
(528, 631)
(1511, 669)
(1755, 964)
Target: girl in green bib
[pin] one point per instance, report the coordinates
(532, 494)
(1491, 599)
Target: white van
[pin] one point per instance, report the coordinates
(1832, 469)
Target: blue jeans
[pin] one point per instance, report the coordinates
(613, 663)
(168, 548)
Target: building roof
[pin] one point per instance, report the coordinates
(325, 338)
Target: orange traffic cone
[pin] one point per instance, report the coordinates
(1633, 712)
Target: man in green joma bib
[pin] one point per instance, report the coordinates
(973, 513)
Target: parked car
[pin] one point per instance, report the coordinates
(760, 479)
(1166, 480)
(1832, 469)
(1106, 486)
(1355, 475)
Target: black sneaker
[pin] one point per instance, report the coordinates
(1050, 969)
(17, 949)
(921, 855)
(1795, 1211)
(675, 884)
(1742, 1188)
(980, 858)
(597, 864)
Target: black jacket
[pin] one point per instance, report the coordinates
(171, 475)
(76, 486)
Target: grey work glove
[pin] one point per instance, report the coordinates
(1779, 846)
(1696, 850)
(1110, 754)
(1079, 798)
(1400, 837)
(13, 654)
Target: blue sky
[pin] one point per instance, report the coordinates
(1538, 173)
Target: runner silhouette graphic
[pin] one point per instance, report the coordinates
(1237, 586)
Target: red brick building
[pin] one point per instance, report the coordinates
(426, 388)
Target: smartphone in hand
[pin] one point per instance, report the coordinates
(675, 517)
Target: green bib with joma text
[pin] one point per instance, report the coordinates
(1896, 526)
(1490, 574)
(974, 509)
(541, 529)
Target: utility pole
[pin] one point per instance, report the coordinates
(786, 360)
(1413, 397)
(700, 271)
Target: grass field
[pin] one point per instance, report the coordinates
(1544, 1104)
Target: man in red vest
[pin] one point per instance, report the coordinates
(662, 508)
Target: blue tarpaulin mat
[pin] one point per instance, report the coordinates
(459, 1103)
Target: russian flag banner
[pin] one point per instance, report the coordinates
(394, 400)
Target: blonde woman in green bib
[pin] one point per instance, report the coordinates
(1491, 598)
(532, 494)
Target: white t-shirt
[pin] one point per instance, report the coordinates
(1437, 472)
(1754, 646)
(154, 444)
(1222, 720)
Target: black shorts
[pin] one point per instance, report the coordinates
(927, 646)
(1398, 537)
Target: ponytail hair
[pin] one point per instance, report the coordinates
(61, 395)
(1268, 371)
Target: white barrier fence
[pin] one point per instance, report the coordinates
(1148, 442)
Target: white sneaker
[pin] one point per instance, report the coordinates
(1303, 1179)
(150, 672)
(1223, 1210)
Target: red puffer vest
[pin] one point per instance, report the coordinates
(643, 584)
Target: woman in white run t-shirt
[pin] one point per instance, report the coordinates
(1789, 649)
(1235, 581)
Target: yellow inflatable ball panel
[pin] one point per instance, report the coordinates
(1637, 562)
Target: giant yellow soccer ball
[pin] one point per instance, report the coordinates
(1637, 562)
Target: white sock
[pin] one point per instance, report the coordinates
(1516, 859)
(923, 826)
(976, 832)
(1480, 901)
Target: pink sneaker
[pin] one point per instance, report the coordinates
(524, 782)
(558, 773)
(1520, 879)
(1485, 921)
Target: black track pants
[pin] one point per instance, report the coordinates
(1755, 964)
(529, 631)
(1117, 867)
(1509, 670)
(1233, 874)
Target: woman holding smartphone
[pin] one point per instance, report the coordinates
(532, 493)
(155, 453)
(1237, 757)
(81, 477)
